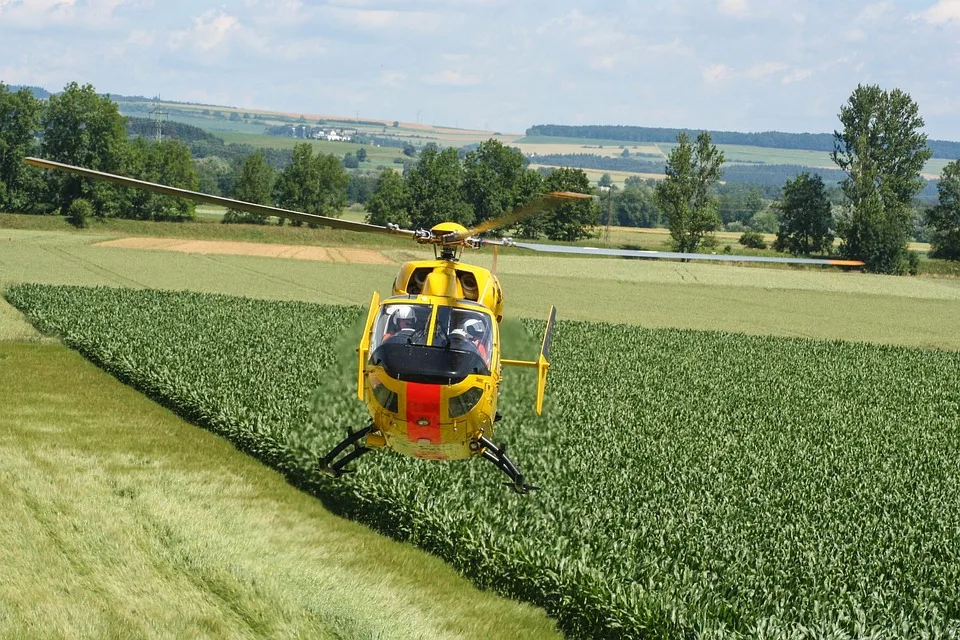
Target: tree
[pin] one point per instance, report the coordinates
(572, 220)
(168, 162)
(361, 154)
(361, 186)
(435, 185)
(684, 195)
(805, 217)
(882, 151)
(390, 202)
(350, 161)
(312, 184)
(945, 217)
(81, 128)
(636, 208)
(253, 180)
(738, 202)
(491, 174)
(529, 188)
(215, 175)
(19, 118)
(409, 150)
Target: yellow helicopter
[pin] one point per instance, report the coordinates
(429, 365)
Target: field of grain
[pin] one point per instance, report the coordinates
(694, 483)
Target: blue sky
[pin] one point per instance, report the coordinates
(746, 65)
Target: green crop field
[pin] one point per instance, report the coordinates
(786, 302)
(375, 155)
(694, 483)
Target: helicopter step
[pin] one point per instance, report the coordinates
(335, 468)
(498, 456)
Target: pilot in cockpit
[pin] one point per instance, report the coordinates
(402, 323)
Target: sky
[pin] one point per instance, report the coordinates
(503, 65)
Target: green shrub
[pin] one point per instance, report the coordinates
(753, 240)
(79, 213)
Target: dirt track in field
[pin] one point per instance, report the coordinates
(297, 252)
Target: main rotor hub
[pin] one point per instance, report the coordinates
(447, 228)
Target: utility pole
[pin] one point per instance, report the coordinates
(158, 114)
(608, 189)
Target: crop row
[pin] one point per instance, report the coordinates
(693, 483)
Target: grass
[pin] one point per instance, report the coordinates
(790, 302)
(206, 227)
(121, 520)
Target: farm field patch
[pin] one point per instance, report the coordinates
(296, 252)
(610, 151)
(375, 155)
(694, 482)
(122, 520)
(803, 303)
(618, 177)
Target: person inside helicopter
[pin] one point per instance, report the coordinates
(404, 324)
(475, 334)
(468, 331)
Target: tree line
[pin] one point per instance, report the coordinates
(79, 127)
(881, 152)
(753, 173)
(486, 183)
(772, 139)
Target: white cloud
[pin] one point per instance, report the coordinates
(943, 12)
(673, 49)
(39, 14)
(385, 19)
(797, 76)
(210, 30)
(763, 70)
(717, 73)
(855, 35)
(875, 12)
(392, 79)
(451, 78)
(734, 7)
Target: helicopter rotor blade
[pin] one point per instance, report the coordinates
(548, 201)
(496, 254)
(630, 253)
(230, 203)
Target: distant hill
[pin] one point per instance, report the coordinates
(38, 92)
(147, 127)
(770, 139)
(43, 94)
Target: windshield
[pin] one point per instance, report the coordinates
(464, 330)
(401, 324)
(461, 343)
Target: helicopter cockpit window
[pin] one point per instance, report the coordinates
(464, 330)
(401, 323)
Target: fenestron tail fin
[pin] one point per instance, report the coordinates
(542, 364)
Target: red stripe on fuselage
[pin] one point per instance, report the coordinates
(423, 403)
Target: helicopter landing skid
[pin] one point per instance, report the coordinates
(335, 469)
(498, 456)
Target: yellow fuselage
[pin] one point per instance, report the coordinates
(430, 398)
